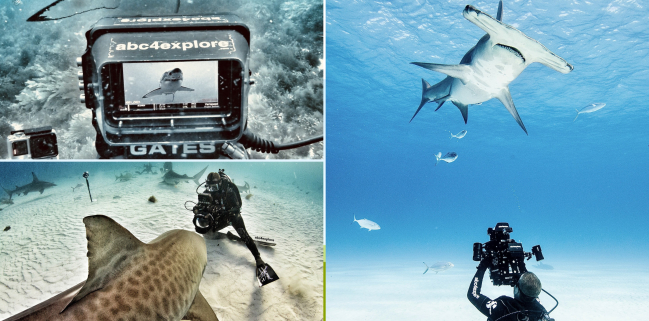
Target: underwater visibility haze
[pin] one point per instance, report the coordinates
(577, 187)
(38, 74)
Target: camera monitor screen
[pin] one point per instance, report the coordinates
(162, 85)
(191, 92)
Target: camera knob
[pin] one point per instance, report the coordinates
(251, 81)
(79, 61)
(82, 98)
(80, 75)
(81, 85)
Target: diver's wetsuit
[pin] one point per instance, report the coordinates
(227, 198)
(503, 305)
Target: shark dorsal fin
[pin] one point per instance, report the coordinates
(111, 249)
(35, 178)
(499, 15)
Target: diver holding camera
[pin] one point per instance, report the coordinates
(220, 206)
(505, 260)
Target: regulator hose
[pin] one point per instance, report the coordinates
(250, 140)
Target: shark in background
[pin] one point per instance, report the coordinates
(132, 280)
(486, 70)
(170, 83)
(172, 178)
(35, 186)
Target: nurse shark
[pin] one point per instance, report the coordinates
(131, 280)
(486, 70)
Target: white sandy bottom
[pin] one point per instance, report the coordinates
(375, 292)
(44, 252)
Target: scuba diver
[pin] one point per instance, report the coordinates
(525, 305)
(220, 206)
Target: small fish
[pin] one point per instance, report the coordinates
(459, 135)
(369, 225)
(116, 197)
(78, 185)
(249, 196)
(449, 157)
(7, 228)
(439, 266)
(589, 109)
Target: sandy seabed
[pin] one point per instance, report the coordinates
(44, 252)
(382, 292)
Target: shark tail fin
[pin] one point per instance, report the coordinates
(572, 120)
(196, 177)
(8, 192)
(437, 157)
(427, 267)
(424, 99)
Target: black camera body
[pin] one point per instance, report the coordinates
(204, 218)
(34, 143)
(504, 256)
(167, 86)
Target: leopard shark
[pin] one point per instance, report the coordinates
(486, 70)
(132, 280)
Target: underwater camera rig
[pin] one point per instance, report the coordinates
(206, 212)
(171, 87)
(504, 256)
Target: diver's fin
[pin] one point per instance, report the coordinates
(200, 310)
(183, 88)
(499, 15)
(111, 248)
(506, 98)
(501, 33)
(424, 100)
(464, 109)
(266, 274)
(461, 72)
(196, 177)
(155, 92)
(572, 121)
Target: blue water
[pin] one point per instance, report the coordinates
(579, 189)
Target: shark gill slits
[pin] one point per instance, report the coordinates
(512, 50)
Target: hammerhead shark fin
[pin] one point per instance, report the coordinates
(424, 100)
(154, 92)
(183, 88)
(499, 16)
(504, 34)
(506, 98)
(464, 109)
(440, 105)
(197, 177)
(461, 72)
(35, 178)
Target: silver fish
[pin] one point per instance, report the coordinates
(459, 135)
(449, 157)
(589, 109)
(439, 266)
(369, 225)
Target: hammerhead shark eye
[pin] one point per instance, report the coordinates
(512, 50)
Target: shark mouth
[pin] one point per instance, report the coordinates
(512, 50)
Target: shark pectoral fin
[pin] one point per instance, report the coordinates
(183, 88)
(111, 249)
(42, 190)
(501, 33)
(155, 92)
(200, 310)
(506, 98)
(461, 72)
(464, 109)
(499, 15)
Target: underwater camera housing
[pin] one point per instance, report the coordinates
(34, 143)
(203, 219)
(167, 85)
(505, 257)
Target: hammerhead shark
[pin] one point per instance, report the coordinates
(486, 70)
(131, 280)
(170, 83)
(35, 186)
